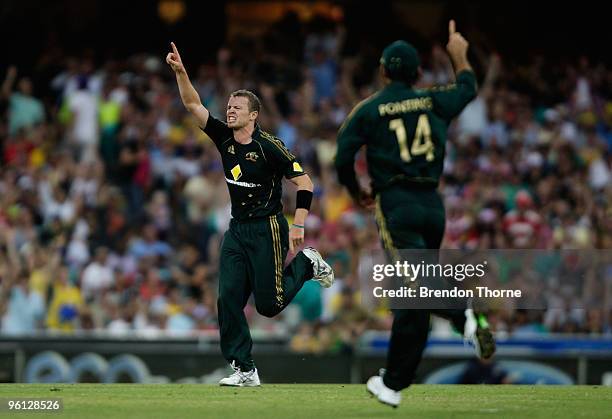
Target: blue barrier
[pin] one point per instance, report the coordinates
(538, 344)
(519, 372)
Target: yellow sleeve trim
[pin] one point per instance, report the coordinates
(278, 145)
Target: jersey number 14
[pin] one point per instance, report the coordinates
(421, 143)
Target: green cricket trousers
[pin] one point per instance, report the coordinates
(411, 217)
(251, 262)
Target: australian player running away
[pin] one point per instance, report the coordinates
(404, 130)
(255, 246)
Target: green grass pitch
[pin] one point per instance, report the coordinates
(318, 401)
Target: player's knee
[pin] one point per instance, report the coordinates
(267, 310)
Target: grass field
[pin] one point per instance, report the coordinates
(312, 401)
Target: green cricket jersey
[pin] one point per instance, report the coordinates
(404, 130)
(253, 171)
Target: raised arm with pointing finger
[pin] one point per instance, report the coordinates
(255, 247)
(189, 95)
(404, 130)
(457, 48)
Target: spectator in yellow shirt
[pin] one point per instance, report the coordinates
(66, 303)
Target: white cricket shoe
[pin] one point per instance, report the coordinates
(384, 394)
(241, 379)
(322, 272)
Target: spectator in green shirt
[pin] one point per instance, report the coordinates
(24, 109)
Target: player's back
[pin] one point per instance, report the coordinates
(405, 130)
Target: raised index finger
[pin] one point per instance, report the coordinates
(174, 48)
(451, 27)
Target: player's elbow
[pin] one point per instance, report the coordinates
(304, 183)
(345, 172)
(469, 91)
(192, 106)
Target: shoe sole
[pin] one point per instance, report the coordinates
(371, 393)
(483, 339)
(239, 385)
(328, 281)
(388, 404)
(325, 283)
(486, 342)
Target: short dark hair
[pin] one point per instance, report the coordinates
(254, 102)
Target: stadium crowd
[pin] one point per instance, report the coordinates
(113, 202)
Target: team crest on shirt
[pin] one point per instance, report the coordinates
(297, 167)
(230, 149)
(252, 156)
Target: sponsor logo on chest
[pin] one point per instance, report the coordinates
(236, 172)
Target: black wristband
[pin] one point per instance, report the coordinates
(303, 199)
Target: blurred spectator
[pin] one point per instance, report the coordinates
(97, 276)
(149, 245)
(526, 323)
(25, 110)
(66, 303)
(309, 301)
(25, 308)
(522, 224)
(83, 105)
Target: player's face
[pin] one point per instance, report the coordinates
(238, 115)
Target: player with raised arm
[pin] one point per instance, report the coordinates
(255, 246)
(405, 132)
